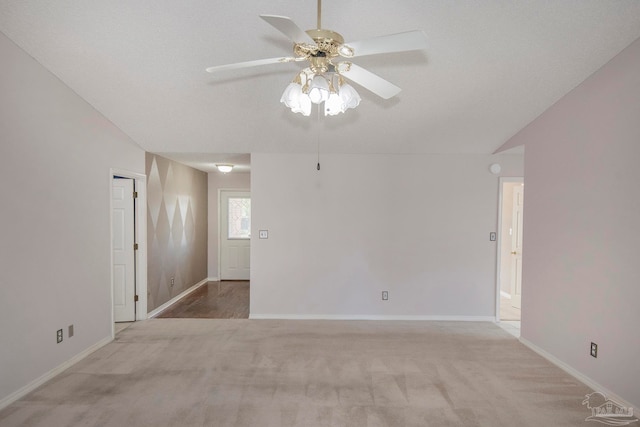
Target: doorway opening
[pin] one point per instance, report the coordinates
(510, 232)
(128, 247)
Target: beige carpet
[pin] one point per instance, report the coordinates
(195, 372)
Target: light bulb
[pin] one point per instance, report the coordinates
(319, 90)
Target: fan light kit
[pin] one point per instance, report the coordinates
(325, 79)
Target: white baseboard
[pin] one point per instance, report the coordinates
(213, 279)
(576, 374)
(52, 373)
(153, 313)
(369, 317)
(505, 294)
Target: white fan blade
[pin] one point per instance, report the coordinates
(249, 64)
(289, 28)
(401, 42)
(370, 81)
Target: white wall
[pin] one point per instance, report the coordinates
(415, 225)
(55, 155)
(217, 181)
(581, 251)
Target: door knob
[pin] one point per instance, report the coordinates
(514, 253)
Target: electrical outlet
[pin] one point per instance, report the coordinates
(492, 236)
(594, 350)
(173, 281)
(70, 333)
(59, 336)
(385, 295)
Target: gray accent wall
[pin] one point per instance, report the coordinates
(176, 228)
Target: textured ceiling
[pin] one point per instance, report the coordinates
(492, 66)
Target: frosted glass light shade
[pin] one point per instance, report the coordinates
(333, 105)
(349, 96)
(225, 168)
(305, 105)
(296, 100)
(291, 94)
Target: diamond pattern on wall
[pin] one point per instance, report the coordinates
(177, 216)
(154, 192)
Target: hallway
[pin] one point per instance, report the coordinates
(214, 300)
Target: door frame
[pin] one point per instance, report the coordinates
(220, 191)
(501, 181)
(140, 218)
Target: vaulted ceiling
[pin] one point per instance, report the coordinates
(491, 67)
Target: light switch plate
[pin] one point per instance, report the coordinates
(492, 236)
(263, 234)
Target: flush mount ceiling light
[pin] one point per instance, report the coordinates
(325, 79)
(224, 168)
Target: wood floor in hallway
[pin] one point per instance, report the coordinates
(215, 300)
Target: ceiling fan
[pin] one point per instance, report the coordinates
(324, 80)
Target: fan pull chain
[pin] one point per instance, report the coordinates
(318, 136)
(319, 14)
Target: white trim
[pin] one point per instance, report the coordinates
(505, 295)
(175, 299)
(8, 400)
(219, 238)
(370, 317)
(576, 374)
(213, 279)
(501, 181)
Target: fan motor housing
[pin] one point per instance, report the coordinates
(326, 35)
(327, 41)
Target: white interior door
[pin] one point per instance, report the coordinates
(235, 235)
(124, 288)
(516, 246)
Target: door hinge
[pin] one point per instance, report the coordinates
(135, 298)
(135, 246)
(135, 194)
